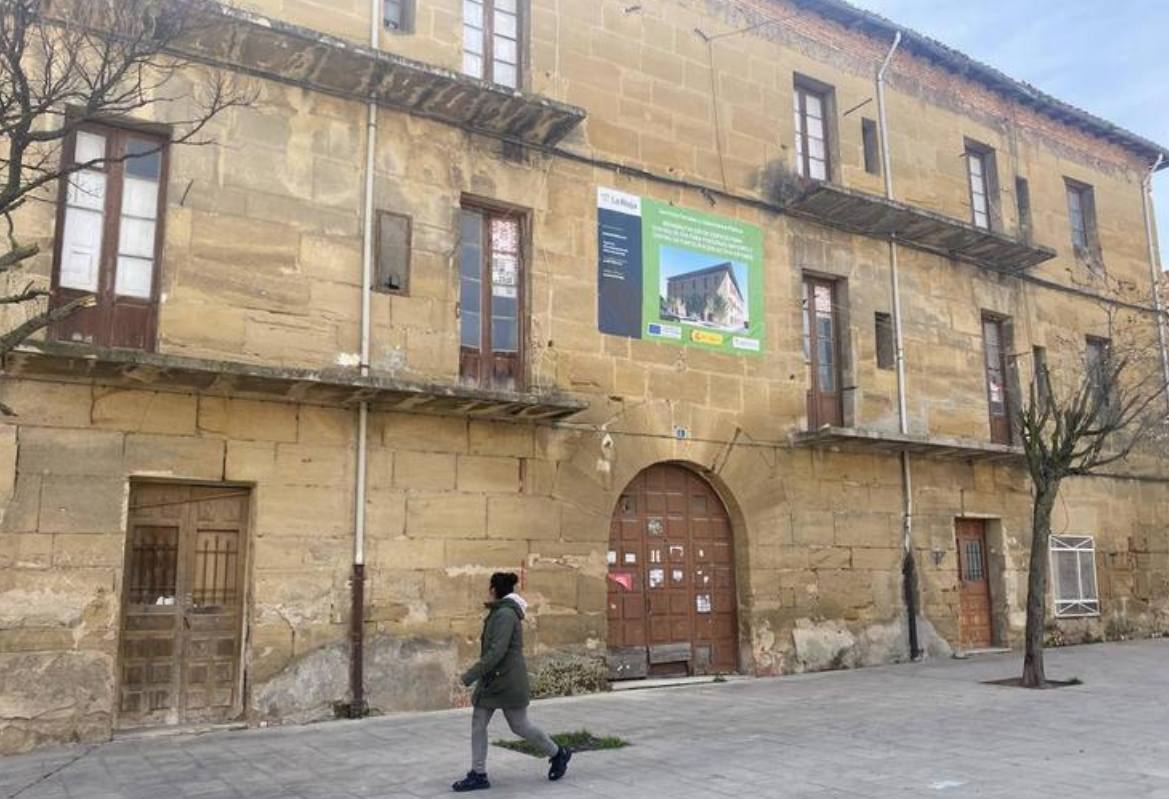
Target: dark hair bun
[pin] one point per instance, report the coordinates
(503, 583)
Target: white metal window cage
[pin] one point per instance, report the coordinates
(1073, 576)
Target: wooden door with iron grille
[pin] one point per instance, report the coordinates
(974, 622)
(672, 606)
(182, 618)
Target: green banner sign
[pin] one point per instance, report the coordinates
(678, 276)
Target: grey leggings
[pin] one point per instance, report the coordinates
(517, 719)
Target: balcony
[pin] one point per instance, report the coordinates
(943, 448)
(275, 50)
(872, 215)
(150, 371)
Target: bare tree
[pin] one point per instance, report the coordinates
(66, 63)
(1106, 409)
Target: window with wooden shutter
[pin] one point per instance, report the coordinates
(110, 235)
(823, 350)
(996, 346)
(392, 253)
(491, 297)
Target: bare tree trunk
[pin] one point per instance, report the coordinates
(1033, 673)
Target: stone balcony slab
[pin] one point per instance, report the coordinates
(851, 439)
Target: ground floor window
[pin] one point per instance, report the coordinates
(1073, 569)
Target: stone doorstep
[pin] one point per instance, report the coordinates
(963, 654)
(673, 682)
(144, 733)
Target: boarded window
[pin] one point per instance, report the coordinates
(811, 105)
(392, 255)
(399, 15)
(1073, 576)
(886, 351)
(491, 40)
(1023, 207)
(109, 236)
(872, 146)
(491, 302)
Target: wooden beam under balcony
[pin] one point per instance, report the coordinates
(152, 371)
(872, 215)
(276, 50)
(945, 448)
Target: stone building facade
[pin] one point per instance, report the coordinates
(182, 513)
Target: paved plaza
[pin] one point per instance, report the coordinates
(931, 730)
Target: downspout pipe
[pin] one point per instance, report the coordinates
(358, 706)
(908, 565)
(1154, 265)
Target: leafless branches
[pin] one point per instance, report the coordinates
(67, 63)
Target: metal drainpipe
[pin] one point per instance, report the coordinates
(908, 568)
(1154, 272)
(357, 704)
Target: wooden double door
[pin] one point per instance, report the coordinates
(672, 607)
(182, 618)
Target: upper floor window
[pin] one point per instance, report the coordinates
(811, 104)
(869, 138)
(822, 350)
(491, 41)
(109, 235)
(1082, 216)
(491, 301)
(980, 170)
(996, 346)
(398, 15)
(1023, 207)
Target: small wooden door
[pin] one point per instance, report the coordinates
(822, 343)
(995, 345)
(672, 606)
(974, 623)
(183, 605)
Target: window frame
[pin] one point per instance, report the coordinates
(1082, 606)
(103, 316)
(484, 357)
(1023, 207)
(1085, 196)
(1001, 431)
(885, 338)
(1092, 363)
(379, 284)
(487, 73)
(824, 407)
(406, 12)
(871, 146)
(985, 157)
(802, 87)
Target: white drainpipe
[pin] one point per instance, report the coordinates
(1154, 262)
(909, 567)
(357, 705)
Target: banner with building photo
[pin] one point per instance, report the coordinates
(678, 276)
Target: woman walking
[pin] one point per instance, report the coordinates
(503, 684)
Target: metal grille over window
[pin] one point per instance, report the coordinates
(974, 563)
(153, 566)
(1073, 576)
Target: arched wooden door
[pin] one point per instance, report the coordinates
(672, 606)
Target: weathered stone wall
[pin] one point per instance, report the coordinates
(262, 263)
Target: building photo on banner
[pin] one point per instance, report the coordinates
(679, 276)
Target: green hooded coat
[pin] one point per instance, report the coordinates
(501, 671)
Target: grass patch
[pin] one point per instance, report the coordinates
(579, 741)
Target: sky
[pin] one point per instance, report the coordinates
(1108, 58)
